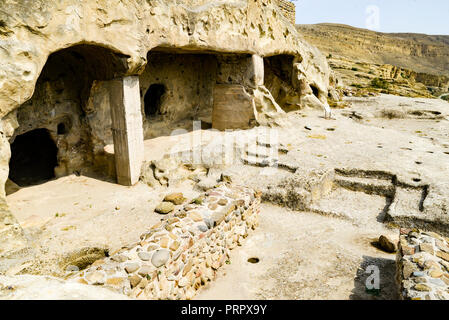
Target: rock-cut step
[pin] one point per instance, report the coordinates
(259, 151)
(259, 155)
(258, 161)
(367, 185)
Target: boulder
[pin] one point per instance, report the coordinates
(165, 207)
(386, 244)
(175, 198)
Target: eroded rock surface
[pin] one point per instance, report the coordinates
(58, 56)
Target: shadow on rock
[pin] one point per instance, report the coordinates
(375, 280)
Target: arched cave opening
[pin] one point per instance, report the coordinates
(62, 103)
(33, 158)
(71, 71)
(153, 99)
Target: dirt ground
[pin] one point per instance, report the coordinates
(305, 256)
(65, 215)
(301, 255)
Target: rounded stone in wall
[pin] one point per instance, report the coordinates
(160, 257)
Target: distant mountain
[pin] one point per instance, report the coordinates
(418, 52)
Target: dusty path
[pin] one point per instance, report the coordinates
(305, 256)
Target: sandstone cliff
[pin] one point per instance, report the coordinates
(418, 52)
(415, 65)
(53, 54)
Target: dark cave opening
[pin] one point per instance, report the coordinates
(315, 91)
(33, 158)
(61, 129)
(153, 99)
(280, 66)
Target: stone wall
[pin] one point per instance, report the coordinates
(423, 265)
(179, 255)
(288, 9)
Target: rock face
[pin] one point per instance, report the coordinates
(58, 57)
(412, 65)
(419, 52)
(288, 10)
(366, 78)
(132, 30)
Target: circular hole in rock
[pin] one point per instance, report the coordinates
(446, 153)
(418, 162)
(253, 260)
(416, 180)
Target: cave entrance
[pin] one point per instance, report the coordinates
(33, 158)
(65, 104)
(153, 100)
(176, 89)
(181, 88)
(278, 80)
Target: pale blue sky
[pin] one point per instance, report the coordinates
(416, 16)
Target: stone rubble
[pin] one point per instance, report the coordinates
(423, 265)
(179, 255)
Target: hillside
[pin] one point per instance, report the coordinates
(418, 52)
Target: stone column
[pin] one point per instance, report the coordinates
(127, 129)
(257, 71)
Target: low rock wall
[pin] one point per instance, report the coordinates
(179, 255)
(423, 266)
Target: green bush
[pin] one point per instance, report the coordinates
(379, 83)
